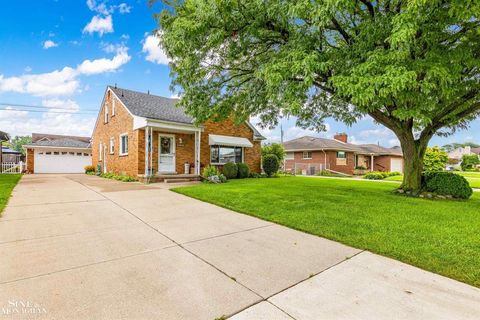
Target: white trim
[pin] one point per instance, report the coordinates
(100, 158)
(228, 141)
(141, 122)
(120, 145)
(174, 149)
(112, 145)
(105, 111)
(113, 106)
(308, 158)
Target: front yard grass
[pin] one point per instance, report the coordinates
(7, 183)
(441, 236)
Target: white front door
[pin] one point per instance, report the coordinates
(166, 163)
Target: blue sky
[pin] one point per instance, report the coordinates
(60, 55)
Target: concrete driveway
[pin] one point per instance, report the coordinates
(82, 247)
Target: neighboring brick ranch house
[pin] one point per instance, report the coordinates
(309, 155)
(49, 153)
(144, 135)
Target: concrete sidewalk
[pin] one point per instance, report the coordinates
(82, 247)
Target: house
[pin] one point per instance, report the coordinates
(49, 153)
(10, 155)
(456, 155)
(309, 155)
(143, 135)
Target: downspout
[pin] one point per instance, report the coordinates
(325, 159)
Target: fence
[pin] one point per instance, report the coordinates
(309, 169)
(12, 167)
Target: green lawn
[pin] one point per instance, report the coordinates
(437, 235)
(473, 178)
(7, 183)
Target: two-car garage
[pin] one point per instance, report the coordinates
(58, 154)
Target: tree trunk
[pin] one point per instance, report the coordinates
(413, 153)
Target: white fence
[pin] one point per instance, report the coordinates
(309, 169)
(12, 167)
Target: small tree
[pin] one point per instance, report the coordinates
(435, 160)
(19, 141)
(469, 162)
(274, 148)
(270, 164)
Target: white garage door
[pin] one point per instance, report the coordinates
(396, 165)
(60, 161)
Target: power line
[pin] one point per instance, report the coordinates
(41, 107)
(48, 111)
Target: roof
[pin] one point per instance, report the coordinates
(475, 150)
(157, 107)
(314, 143)
(6, 150)
(59, 141)
(45, 136)
(4, 136)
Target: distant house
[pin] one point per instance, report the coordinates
(10, 155)
(308, 155)
(50, 153)
(144, 135)
(457, 154)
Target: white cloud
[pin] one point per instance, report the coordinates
(62, 82)
(381, 135)
(100, 25)
(125, 36)
(28, 69)
(155, 54)
(124, 8)
(100, 7)
(89, 67)
(49, 44)
(9, 115)
(61, 105)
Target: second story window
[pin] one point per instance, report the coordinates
(106, 113)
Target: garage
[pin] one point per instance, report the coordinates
(396, 165)
(58, 154)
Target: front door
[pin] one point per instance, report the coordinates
(166, 163)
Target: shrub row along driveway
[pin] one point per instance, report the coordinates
(82, 247)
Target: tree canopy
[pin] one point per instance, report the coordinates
(410, 65)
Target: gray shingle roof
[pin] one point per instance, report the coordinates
(46, 136)
(62, 143)
(157, 107)
(313, 143)
(151, 106)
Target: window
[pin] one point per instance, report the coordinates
(64, 153)
(100, 152)
(124, 144)
(222, 154)
(106, 113)
(113, 107)
(56, 153)
(48, 152)
(341, 155)
(289, 156)
(112, 145)
(307, 154)
(79, 153)
(86, 154)
(71, 153)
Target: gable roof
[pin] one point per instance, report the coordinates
(475, 150)
(314, 143)
(59, 141)
(157, 107)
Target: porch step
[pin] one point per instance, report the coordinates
(171, 178)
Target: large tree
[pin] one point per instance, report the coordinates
(411, 65)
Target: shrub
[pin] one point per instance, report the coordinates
(435, 160)
(243, 170)
(111, 175)
(394, 173)
(209, 171)
(325, 173)
(469, 162)
(230, 170)
(276, 149)
(375, 175)
(255, 175)
(447, 183)
(89, 169)
(271, 164)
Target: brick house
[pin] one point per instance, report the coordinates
(144, 135)
(308, 155)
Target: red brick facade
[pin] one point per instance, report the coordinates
(133, 164)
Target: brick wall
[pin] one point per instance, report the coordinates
(252, 156)
(319, 157)
(383, 163)
(121, 122)
(30, 161)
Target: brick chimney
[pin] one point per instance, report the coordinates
(343, 137)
